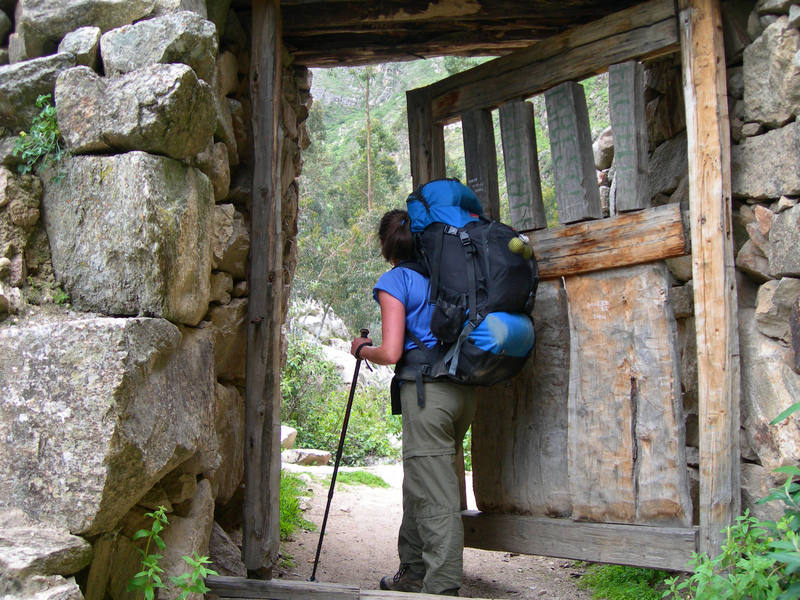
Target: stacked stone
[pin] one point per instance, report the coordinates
(132, 397)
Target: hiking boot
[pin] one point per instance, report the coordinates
(401, 582)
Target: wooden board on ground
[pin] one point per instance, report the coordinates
(627, 460)
(651, 547)
(519, 434)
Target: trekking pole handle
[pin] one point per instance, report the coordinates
(364, 333)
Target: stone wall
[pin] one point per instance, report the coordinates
(123, 286)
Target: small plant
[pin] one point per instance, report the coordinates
(148, 580)
(617, 582)
(291, 517)
(359, 478)
(60, 297)
(42, 144)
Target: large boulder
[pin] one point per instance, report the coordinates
(84, 43)
(165, 7)
(668, 166)
(182, 37)
(131, 234)
(765, 166)
(229, 428)
(20, 196)
(46, 22)
(95, 411)
(784, 243)
(771, 75)
(22, 83)
(776, 298)
(161, 109)
(229, 325)
(231, 243)
(39, 550)
(769, 386)
(39, 587)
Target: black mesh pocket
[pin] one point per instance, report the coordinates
(448, 319)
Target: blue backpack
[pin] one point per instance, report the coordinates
(483, 286)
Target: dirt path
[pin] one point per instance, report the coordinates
(361, 536)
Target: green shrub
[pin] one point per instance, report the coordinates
(616, 582)
(291, 517)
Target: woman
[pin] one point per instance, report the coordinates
(431, 538)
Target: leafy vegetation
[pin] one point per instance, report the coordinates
(314, 403)
(359, 478)
(147, 581)
(41, 146)
(617, 582)
(291, 517)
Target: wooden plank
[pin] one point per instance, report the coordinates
(279, 589)
(519, 433)
(425, 140)
(382, 594)
(577, 193)
(261, 535)
(627, 459)
(626, 105)
(653, 547)
(633, 238)
(480, 160)
(521, 160)
(642, 31)
(713, 269)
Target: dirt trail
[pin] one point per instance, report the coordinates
(361, 537)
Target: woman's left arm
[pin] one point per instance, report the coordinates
(393, 329)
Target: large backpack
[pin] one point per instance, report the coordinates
(483, 286)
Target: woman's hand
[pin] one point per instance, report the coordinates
(357, 343)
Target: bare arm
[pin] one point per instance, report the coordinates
(393, 328)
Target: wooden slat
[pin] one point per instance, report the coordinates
(626, 105)
(425, 140)
(627, 459)
(261, 535)
(279, 589)
(633, 238)
(480, 160)
(577, 193)
(713, 270)
(638, 32)
(654, 547)
(522, 165)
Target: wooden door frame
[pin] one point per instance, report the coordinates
(644, 31)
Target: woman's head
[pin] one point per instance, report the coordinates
(394, 233)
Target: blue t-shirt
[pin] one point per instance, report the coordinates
(413, 290)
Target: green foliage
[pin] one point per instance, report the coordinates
(60, 296)
(617, 582)
(148, 580)
(314, 403)
(291, 517)
(42, 144)
(760, 560)
(359, 478)
(467, 447)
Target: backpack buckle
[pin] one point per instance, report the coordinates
(464, 237)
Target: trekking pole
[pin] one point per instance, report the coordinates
(364, 333)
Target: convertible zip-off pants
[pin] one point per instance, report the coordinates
(431, 538)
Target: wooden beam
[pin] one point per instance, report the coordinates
(261, 530)
(279, 589)
(629, 239)
(517, 130)
(425, 140)
(642, 31)
(653, 547)
(480, 160)
(713, 271)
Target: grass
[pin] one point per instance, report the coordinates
(358, 478)
(616, 582)
(292, 487)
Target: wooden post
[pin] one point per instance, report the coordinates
(480, 158)
(522, 165)
(704, 88)
(262, 401)
(573, 161)
(425, 139)
(627, 108)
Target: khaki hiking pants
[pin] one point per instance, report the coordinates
(431, 538)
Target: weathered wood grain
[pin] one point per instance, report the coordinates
(261, 535)
(480, 160)
(633, 238)
(577, 194)
(713, 269)
(279, 589)
(627, 460)
(519, 434)
(643, 31)
(425, 140)
(522, 165)
(626, 106)
(653, 547)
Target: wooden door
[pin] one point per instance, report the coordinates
(583, 455)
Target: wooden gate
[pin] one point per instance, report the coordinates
(583, 455)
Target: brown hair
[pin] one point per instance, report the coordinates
(394, 233)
